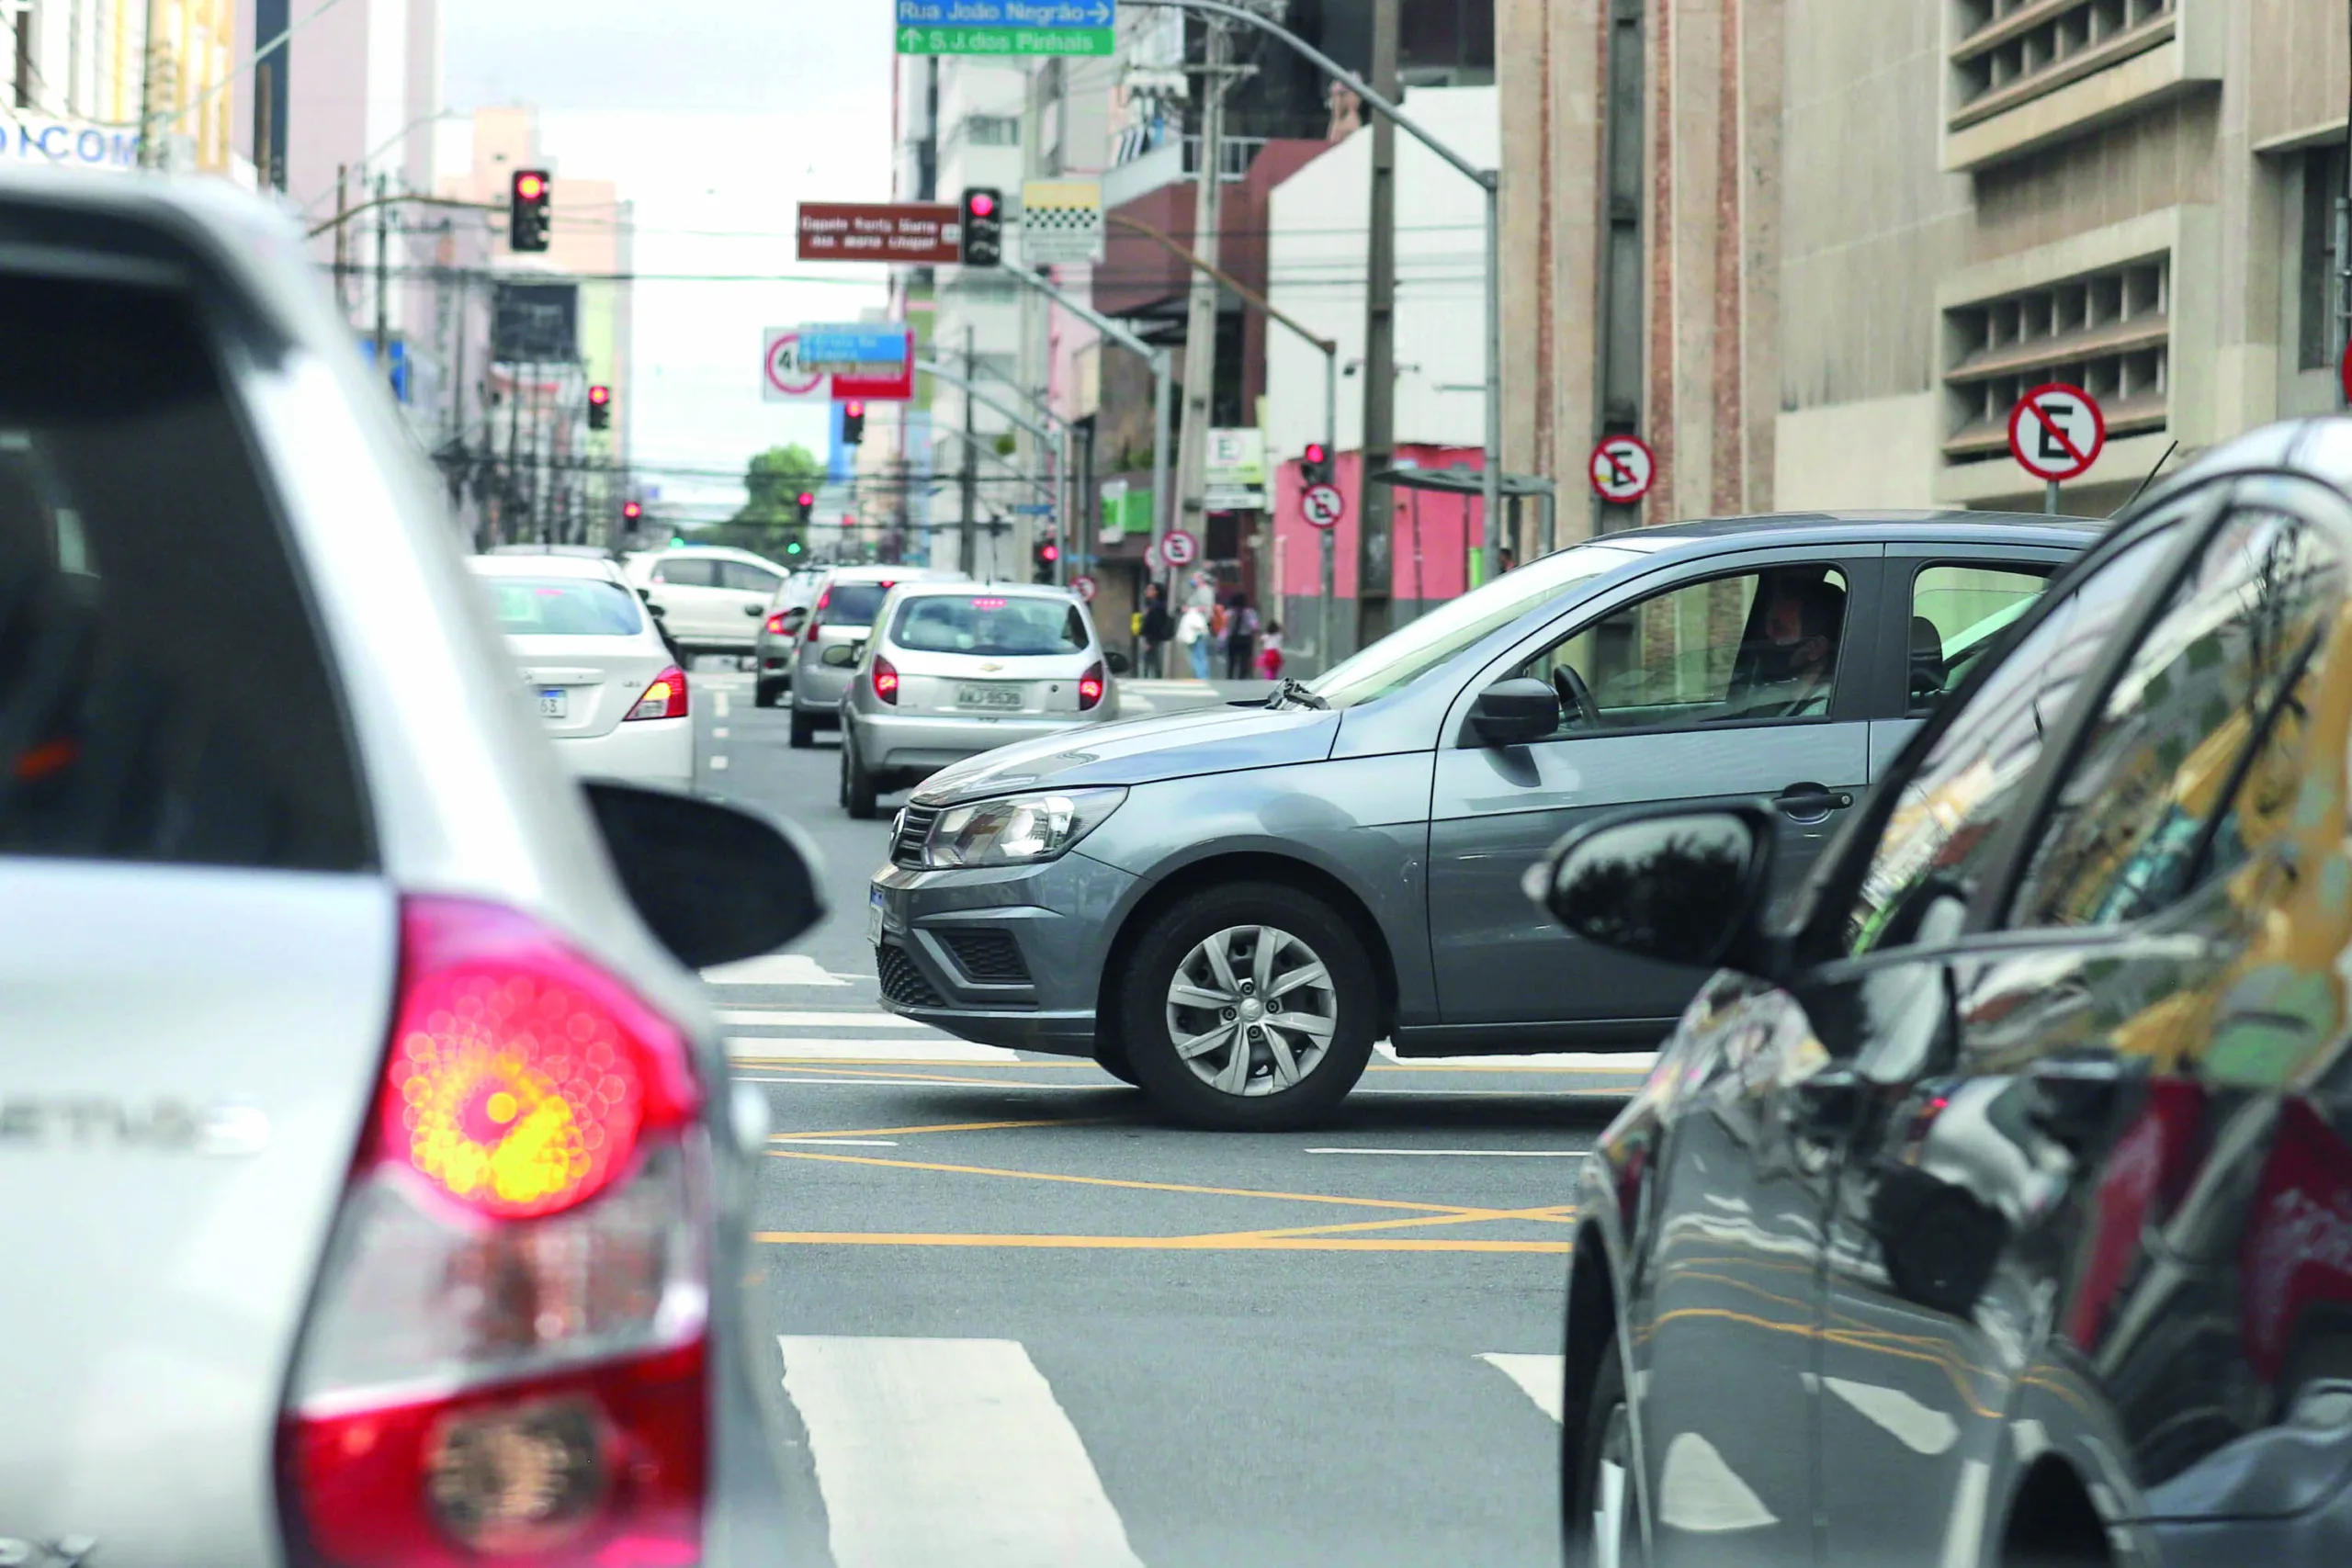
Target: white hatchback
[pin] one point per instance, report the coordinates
(595, 667)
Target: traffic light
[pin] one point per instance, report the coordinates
(852, 423)
(1315, 464)
(804, 507)
(983, 240)
(600, 407)
(792, 546)
(631, 510)
(1047, 553)
(526, 211)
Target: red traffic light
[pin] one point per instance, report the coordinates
(1315, 451)
(807, 499)
(983, 204)
(854, 409)
(530, 187)
(632, 510)
(1049, 552)
(600, 396)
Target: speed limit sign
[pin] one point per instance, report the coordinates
(1083, 586)
(1180, 548)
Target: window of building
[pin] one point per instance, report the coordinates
(2007, 52)
(2323, 186)
(992, 130)
(2108, 332)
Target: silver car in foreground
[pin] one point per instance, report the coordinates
(366, 1154)
(953, 670)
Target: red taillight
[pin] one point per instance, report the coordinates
(665, 698)
(886, 680)
(506, 1355)
(817, 612)
(1090, 687)
(776, 624)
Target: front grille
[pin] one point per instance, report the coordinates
(914, 827)
(901, 981)
(989, 958)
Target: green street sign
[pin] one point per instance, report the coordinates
(1006, 41)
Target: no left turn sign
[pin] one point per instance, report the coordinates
(1179, 548)
(1623, 469)
(2055, 431)
(1323, 506)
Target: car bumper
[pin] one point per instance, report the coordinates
(1009, 956)
(894, 741)
(817, 690)
(657, 751)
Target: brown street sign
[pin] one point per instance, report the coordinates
(924, 234)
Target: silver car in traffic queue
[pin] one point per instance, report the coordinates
(847, 601)
(369, 1156)
(953, 670)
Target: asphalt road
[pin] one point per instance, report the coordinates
(1019, 1322)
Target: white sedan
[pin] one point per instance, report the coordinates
(594, 664)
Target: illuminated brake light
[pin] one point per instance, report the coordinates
(1090, 687)
(886, 680)
(817, 614)
(665, 698)
(507, 1352)
(988, 604)
(775, 626)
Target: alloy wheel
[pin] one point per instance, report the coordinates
(1251, 1010)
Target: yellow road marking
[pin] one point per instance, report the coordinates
(1453, 1067)
(949, 1127)
(1558, 1214)
(1462, 1209)
(1244, 1242)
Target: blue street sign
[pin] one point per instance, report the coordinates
(859, 350)
(1040, 13)
(1035, 508)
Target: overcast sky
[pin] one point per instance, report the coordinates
(716, 118)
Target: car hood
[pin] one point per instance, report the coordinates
(1143, 751)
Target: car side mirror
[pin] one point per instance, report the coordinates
(1676, 887)
(655, 610)
(646, 594)
(1116, 661)
(713, 883)
(755, 609)
(1512, 713)
(841, 655)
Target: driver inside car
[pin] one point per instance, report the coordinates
(1786, 671)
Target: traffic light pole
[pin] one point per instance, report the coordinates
(1058, 443)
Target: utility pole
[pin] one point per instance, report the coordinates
(383, 279)
(1376, 504)
(151, 64)
(342, 236)
(1200, 327)
(966, 540)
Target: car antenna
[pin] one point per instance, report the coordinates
(2149, 481)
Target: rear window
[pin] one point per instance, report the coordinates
(853, 604)
(995, 624)
(562, 606)
(163, 693)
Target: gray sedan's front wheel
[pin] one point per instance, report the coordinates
(1249, 1007)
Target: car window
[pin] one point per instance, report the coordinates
(1937, 839)
(164, 697)
(1404, 655)
(1957, 611)
(1756, 647)
(852, 603)
(562, 606)
(988, 624)
(2148, 809)
(693, 571)
(746, 578)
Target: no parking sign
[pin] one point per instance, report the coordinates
(1623, 467)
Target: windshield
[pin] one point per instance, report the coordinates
(853, 603)
(562, 606)
(990, 623)
(1406, 655)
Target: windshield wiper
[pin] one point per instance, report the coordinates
(1293, 690)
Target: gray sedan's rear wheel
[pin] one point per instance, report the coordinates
(1249, 1007)
(803, 732)
(859, 787)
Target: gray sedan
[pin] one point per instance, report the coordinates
(1230, 906)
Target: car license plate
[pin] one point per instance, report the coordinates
(554, 702)
(873, 916)
(996, 698)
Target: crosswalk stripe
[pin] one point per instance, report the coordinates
(780, 1048)
(785, 1018)
(1538, 1377)
(947, 1451)
(774, 969)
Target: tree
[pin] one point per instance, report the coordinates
(769, 521)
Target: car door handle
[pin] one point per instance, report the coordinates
(1810, 802)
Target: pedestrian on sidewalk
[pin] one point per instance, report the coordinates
(1240, 638)
(1157, 628)
(1270, 653)
(1192, 637)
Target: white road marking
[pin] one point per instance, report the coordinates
(1465, 1154)
(942, 1049)
(787, 1018)
(717, 764)
(1628, 1062)
(1922, 1428)
(947, 1451)
(1964, 1530)
(720, 732)
(1698, 1491)
(854, 1143)
(992, 1084)
(1538, 1377)
(774, 969)
(719, 704)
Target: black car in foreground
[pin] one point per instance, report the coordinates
(1997, 1208)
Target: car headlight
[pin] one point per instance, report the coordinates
(1019, 829)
